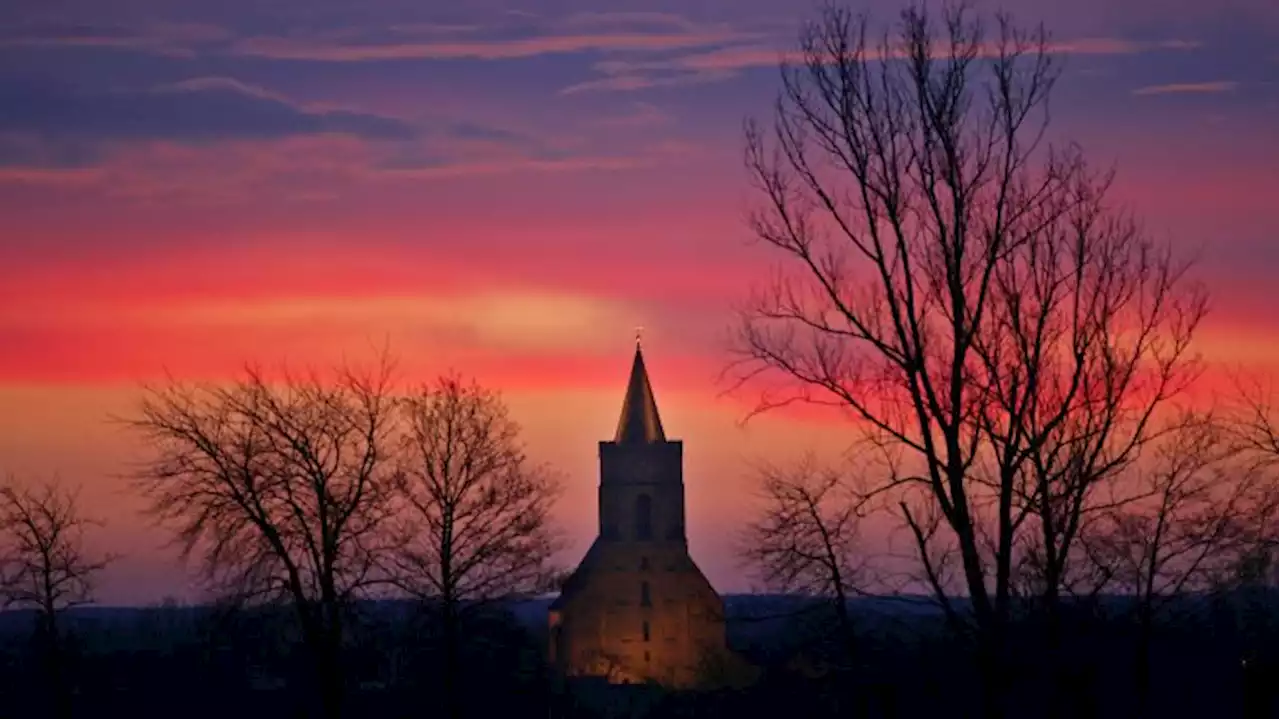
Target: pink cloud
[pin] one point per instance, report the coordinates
(302, 49)
(725, 62)
(320, 166)
(641, 82)
(1179, 88)
(503, 167)
(51, 176)
(642, 114)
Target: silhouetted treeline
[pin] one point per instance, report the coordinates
(1214, 655)
(207, 661)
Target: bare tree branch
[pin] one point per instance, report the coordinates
(805, 539)
(963, 290)
(281, 490)
(44, 563)
(1207, 522)
(475, 525)
(478, 521)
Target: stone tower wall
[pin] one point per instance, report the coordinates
(601, 632)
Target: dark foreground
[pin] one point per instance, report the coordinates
(1207, 657)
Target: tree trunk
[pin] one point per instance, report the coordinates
(322, 634)
(50, 648)
(992, 666)
(1060, 686)
(1142, 663)
(842, 609)
(452, 674)
(330, 691)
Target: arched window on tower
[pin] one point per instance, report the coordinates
(644, 595)
(644, 517)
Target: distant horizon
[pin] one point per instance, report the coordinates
(914, 597)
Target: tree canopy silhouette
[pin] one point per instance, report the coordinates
(965, 290)
(281, 491)
(46, 565)
(475, 524)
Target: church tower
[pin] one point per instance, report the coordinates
(637, 608)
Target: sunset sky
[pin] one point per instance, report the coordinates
(506, 189)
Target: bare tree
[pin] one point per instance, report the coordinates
(966, 292)
(805, 537)
(1250, 417)
(44, 563)
(1206, 512)
(281, 490)
(477, 526)
(1093, 338)
(1251, 424)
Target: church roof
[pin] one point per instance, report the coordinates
(639, 422)
(578, 579)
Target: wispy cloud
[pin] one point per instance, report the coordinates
(50, 176)
(730, 60)
(598, 32)
(460, 148)
(433, 28)
(313, 168)
(1178, 88)
(748, 56)
(663, 153)
(198, 109)
(285, 48)
(156, 38)
(641, 114)
(221, 140)
(1117, 46)
(642, 49)
(510, 36)
(640, 81)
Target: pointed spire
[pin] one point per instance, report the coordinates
(639, 422)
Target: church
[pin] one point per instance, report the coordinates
(637, 609)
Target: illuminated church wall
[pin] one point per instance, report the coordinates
(637, 608)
